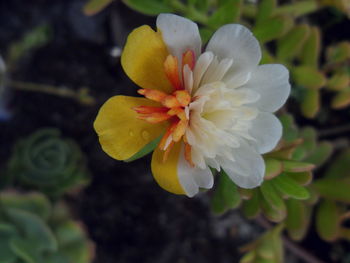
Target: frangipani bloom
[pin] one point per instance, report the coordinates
(211, 109)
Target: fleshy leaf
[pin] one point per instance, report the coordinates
(310, 103)
(149, 7)
(310, 52)
(321, 154)
(273, 168)
(302, 178)
(338, 81)
(327, 220)
(291, 43)
(338, 53)
(294, 166)
(289, 187)
(272, 28)
(251, 207)
(298, 219)
(26, 250)
(92, 7)
(265, 10)
(34, 228)
(341, 100)
(226, 194)
(272, 204)
(308, 77)
(334, 189)
(228, 12)
(339, 167)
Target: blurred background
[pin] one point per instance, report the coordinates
(63, 200)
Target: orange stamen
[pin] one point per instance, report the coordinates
(172, 71)
(152, 94)
(149, 109)
(155, 117)
(183, 97)
(170, 102)
(188, 58)
(175, 111)
(180, 130)
(165, 137)
(188, 154)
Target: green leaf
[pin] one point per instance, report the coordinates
(340, 166)
(327, 220)
(289, 187)
(92, 7)
(321, 154)
(338, 81)
(265, 10)
(145, 150)
(57, 258)
(298, 219)
(311, 103)
(273, 168)
(334, 189)
(308, 77)
(339, 52)
(226, 195)
(26, 250)
(291, 43)
(251, 207)
(272, 204)
(341, 100)
(272, 28)
(302, 178)
(206, 34)
(290, 131)
(34, 228)
(32, 202)
(36, 38)
(7, 231)
(298, 8)
(149, 7)
(296, 167)
(227, 13)
(310, 52)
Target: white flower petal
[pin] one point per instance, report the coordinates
(248, 169)
(193, 178)
(179, 34)
(271, 81)
(188, 78)
(201, 67)
(267, 131)
(238, 43)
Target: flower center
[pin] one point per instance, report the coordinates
(174, 106)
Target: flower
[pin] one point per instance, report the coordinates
(212, 109)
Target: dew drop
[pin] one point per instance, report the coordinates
(131, 133)
(145, 135)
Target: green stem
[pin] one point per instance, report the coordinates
(81, 95)
(189, 11)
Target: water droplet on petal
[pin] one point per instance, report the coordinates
(145, 135)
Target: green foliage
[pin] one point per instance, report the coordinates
(92, 7)
(32, 231)
(32, 40)
(267, 248)
(46, 161)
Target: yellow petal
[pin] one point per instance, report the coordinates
(120, 133)
(166, 173)
(143, 59)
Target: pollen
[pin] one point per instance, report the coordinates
(173, 107)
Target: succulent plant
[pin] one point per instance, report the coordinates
(46, 161)
(33, 231)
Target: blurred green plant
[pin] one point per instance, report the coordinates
(47, 162)
(33, 231)
(267, 248)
